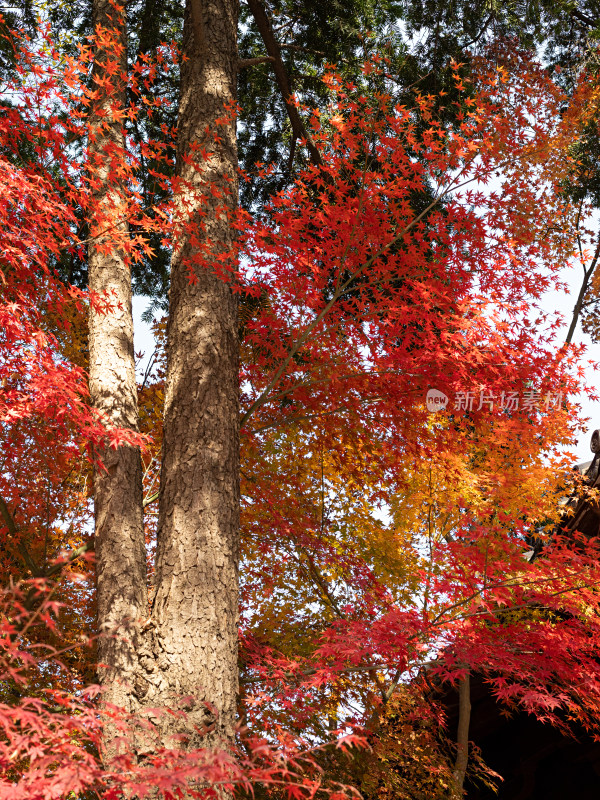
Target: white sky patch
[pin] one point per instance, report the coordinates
(143, 337)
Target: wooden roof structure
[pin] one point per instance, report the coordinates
(585, 508)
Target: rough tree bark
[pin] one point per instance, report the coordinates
(195, 608)
(119, 532)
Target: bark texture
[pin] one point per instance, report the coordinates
(119, 531)
(462, 734)
(195, 608)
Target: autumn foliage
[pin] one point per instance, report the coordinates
(383, 547)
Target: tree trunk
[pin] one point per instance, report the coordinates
(119, 531)
(462, 735)
(195, 608)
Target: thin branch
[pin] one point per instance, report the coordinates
(300, 49)
(150, 499)
(149, 367)
(59, 565)
(328, 595)
(481, 32)
(321, 582)
(350, 376)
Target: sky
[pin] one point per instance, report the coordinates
(143, 339)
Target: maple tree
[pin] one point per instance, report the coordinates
(349, 459)
(386, 269)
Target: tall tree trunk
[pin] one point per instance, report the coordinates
(195, 608)
(119, 531)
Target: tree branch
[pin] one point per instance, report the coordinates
(58, 565)
(13, 530)
(274, 50)
(250, 62)
(583, 18)
(321, 582)
(587, 274)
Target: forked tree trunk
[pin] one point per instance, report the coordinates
(119, 533)
(188, 648)
(195, 608)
